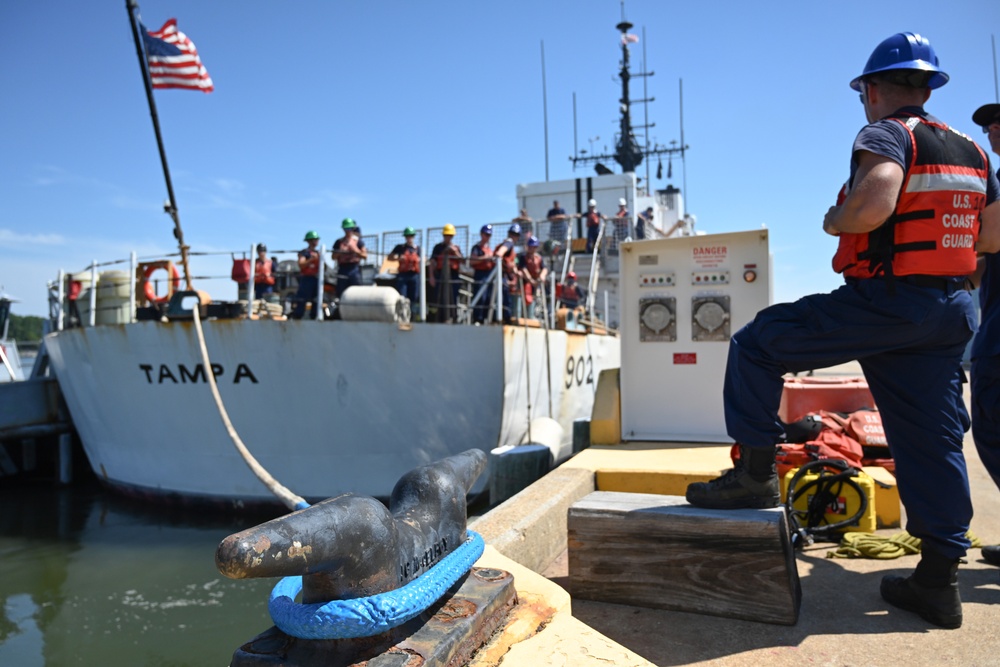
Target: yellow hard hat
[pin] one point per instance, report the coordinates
(449, 230)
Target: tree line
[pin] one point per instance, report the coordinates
(25, 328)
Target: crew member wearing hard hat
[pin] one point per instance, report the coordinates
(593, 217)
(308, 291)
(507, 255)
(908, 228)
(349, 251)
(985, 374)
(532, 270)
(623, 221)
(408, 274)
(445, 262)
(263, 273)
(481, 261)
(571, 293)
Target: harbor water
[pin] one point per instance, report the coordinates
(91, 578)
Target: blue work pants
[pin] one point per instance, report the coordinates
(909, 341)
(348, 275)
(408, 285)
(308, 291)
(482, 308)
(986, 413)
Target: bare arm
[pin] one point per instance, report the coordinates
(872, 198)
(989, 232)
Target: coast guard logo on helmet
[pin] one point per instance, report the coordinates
(533, 242)
(515, 229)
(486, 229)
(904, 51)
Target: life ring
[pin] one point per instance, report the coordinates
(148, 288)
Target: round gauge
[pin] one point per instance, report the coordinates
(657, 316)
(710, 316)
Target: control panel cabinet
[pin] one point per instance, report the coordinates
(681, 301)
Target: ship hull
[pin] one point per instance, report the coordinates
(325, 407)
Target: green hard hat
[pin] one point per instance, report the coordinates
(348, 223)
(409, 231)
(310, 235)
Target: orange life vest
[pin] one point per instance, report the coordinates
(482, 250)
(262, 272)
(454, 263)
(935, 225)
(409, 260)
(533, 263)
(311, 267)
(593, 218)
(508, 260)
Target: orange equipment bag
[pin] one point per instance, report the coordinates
(241, 270)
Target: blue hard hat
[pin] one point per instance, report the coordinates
(515, 229)
(486, 229)
(904, 51)
(532, 241)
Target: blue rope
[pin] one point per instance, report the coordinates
(373, 615)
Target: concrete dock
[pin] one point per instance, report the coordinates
(843, 619)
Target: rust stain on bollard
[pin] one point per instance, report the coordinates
(299, 551)
(455, 609)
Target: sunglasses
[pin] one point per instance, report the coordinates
(995, 121)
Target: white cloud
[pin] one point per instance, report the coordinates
(10, 238)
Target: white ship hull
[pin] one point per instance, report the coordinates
(325, 407)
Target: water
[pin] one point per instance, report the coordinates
(89, 578)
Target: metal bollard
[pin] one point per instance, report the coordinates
(353, 546)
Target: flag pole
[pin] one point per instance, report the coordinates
(171, 207)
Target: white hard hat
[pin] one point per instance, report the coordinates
(592, 202)
(622, 202)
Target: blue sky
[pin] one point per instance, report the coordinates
(403, 113)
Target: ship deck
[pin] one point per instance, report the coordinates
(843, 620)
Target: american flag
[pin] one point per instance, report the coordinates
(173, 60)
(629, 37)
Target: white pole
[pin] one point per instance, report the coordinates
(321, 278)
(423, 276)
(498, 290)
(133, 266)
(93, 293)
(60, 321)
(555, 302)
(253, 277)
(607, 318)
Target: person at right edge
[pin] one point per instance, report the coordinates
(986, 345)
(908, 227)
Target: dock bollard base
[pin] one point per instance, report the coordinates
(446, 634)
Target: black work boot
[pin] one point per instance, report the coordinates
(752, 483)
(991, 554)
(931, 591)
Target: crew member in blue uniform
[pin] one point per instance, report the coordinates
(408, 256)
(907, 225)
(986, 345)
(481, 261)
(308, 290)
(349, 251)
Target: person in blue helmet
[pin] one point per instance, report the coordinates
(532, 272)
(985, 374)
(481, 261)
(907, 223)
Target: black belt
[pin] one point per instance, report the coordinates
(944, 283)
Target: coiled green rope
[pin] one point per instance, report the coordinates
(867, 545)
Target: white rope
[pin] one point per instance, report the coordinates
(290, 500)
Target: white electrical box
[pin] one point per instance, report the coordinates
(681, 300)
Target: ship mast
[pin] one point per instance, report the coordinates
(628, 153)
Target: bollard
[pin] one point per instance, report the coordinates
(352, 546)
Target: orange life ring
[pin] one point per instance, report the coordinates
(148, 288)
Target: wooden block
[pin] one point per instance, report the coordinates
(658, 551)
